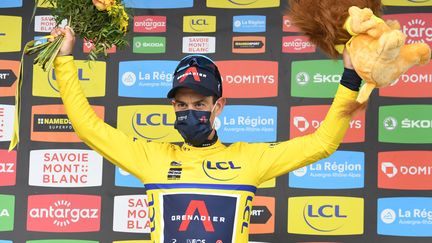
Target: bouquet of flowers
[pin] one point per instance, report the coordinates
(102, 22)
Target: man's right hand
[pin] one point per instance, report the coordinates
(69, 40)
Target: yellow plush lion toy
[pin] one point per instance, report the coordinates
(377, 48)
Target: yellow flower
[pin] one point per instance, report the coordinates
(102, 5)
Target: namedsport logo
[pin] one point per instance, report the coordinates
(8, 75)
(405, 124)
(248, 44)
(92, 79)
(325, 215)
(262, 215)
(50, 124)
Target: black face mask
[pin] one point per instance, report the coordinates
(194, 126)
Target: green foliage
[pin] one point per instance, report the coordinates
(103, 28)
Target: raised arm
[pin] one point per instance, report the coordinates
(281, 158)
(111, 143)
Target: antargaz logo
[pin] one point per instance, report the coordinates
(243, 3)
(63, 213)
(297, 44)
(7, 167)
(321, 215)
(405, 124)
(150, 23)
(416, 26)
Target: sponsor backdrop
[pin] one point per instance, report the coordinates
(375, 188)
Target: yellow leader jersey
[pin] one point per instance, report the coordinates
(199, 194)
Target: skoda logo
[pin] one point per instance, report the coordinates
(302, 78)
(390, 123)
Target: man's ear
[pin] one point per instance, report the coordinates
(220, 105)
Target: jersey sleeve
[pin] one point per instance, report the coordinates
(280, 158)
(111, 143)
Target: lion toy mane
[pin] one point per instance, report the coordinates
(377, 48)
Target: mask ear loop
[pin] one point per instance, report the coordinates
(211, 112)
